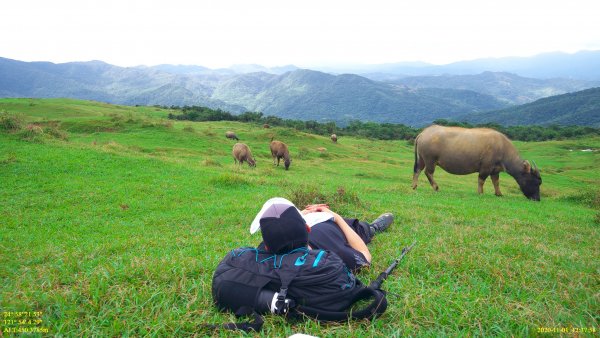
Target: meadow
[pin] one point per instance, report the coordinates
(113, 219)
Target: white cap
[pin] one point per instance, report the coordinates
(272, 208)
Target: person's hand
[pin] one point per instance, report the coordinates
(315, 208)
(321, 208)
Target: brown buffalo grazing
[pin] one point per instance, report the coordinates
(231, 135)
(242, 153)
(266, 126)
(280, 150)
(462, 151)
(334, 138)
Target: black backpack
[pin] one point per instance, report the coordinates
(312, 283)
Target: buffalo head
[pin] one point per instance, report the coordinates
(530, 181)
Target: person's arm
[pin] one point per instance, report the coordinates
(352, 237)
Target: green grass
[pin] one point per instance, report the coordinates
(117, 228)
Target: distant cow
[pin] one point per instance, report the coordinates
(463, 151)
(280, 150)
(334, 138)
(241, 153)
(231, 135)
(266, 126)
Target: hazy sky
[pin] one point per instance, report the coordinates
(219, 33)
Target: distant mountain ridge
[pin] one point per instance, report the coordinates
(508, 87)
(287, 92)
(96, 80)
(346, 97)
(583, 65)
(299, 94)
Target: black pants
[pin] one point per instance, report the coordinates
(361, 228)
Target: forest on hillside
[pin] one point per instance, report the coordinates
(381, 131)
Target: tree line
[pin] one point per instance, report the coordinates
(530, 132)
(374, 130)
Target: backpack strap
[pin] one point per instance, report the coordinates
(283, 305)
(254, 325)
(376, 307)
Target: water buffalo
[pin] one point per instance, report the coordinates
(280, 150)
(231, 135)
(462, 151)
(241, 152)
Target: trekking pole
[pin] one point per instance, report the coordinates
(376, 284)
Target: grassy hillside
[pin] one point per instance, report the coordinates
(113, 219)
(581, 108)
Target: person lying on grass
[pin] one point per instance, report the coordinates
(324, 230)
(302, 268)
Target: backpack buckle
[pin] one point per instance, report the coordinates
(282, 305)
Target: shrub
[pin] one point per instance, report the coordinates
(56, 133)
(305, 195)
(590, 198)
(340, 201)
(10, 122)
(345, 202)
(32, 132)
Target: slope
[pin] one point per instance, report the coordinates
(116, 231)
(580, 108)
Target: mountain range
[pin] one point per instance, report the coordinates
(583, 65)
(290, 92)
(579, 108)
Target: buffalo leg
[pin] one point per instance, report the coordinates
(496, 181)
(480, 182)
(419, 165)
(429, 170)
(416, 179)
